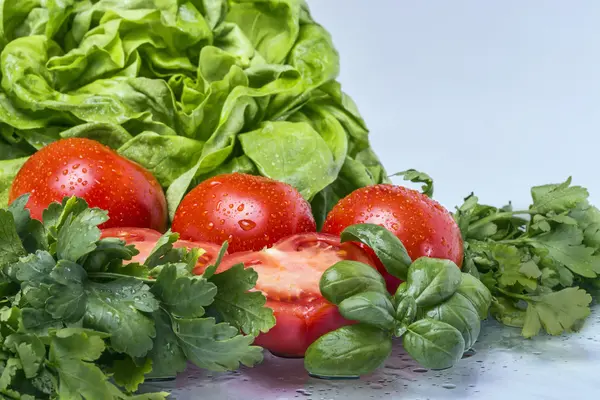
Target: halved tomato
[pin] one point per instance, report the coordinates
(144, 241)
(288, 275)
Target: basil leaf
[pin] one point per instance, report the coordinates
(372, 308)
(477, 293)
(388, 248)
(347, 278)
(405, 314)
(459, 312)
(349, 351)
(434, 344)
(400, 294)
(431, 280)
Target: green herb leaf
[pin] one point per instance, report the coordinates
(564, 246)
(419, 177)
(557, 198)
(505, 311)
(434, 344)
(510, 265)
(11, 247)
(114, 308)
(405, 314)
(217, 347)
(183, 296)
(347, 278)
(431, 281)
(477, 293)
(388, 248)
(31, 231)
(556, 312)
(235, 304)
(72, 352)
(349, 351)
(167, 356)
(130, 375)
(459, 312)
(371, 308)
(79, 233)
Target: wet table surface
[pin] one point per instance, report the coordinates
(504, 366)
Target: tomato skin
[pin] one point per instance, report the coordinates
(92, 171)
(144, 241)
(422, 224)
(288, 275)
(251, 212)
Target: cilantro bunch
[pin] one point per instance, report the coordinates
(540, 263)
(78, 321)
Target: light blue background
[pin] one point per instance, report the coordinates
(486, 96)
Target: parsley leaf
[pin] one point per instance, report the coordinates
(217, 347)
(183, 296)
(11, 247)
(532, 264)
(167, 356)
(510, 266)
(31, 231)
(415, 176)
(557, 312)
(564, 246)
(79, 233)
(113, 308)
(87, 311)
(236, 305)
(72, 353)
(557, 198)
(130, 375)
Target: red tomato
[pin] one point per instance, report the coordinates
(92, 171)
(422, 224)
(288, 275)
(251, 212)
(144, 241)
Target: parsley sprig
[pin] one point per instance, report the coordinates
(539, 262)
(76, 313)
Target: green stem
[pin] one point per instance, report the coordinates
(514, 295)
(497, 216)
(113, 275)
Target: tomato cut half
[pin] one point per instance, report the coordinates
(289, 275)
(144, 241)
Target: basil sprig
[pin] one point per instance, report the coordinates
(437, 312)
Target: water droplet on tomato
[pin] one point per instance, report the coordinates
(219, 205)
(246, 224)
(222, 222)
(214, 183)
(211, 226)
(65, 171)
(84, 170)
(75, 166)
(240, 207)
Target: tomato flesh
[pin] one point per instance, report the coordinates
(250, 212)
(422, 224)
(289, 275)
(144, 241)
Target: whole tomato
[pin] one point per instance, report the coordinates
(422, 224)
(92, 171)
(251, 212)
